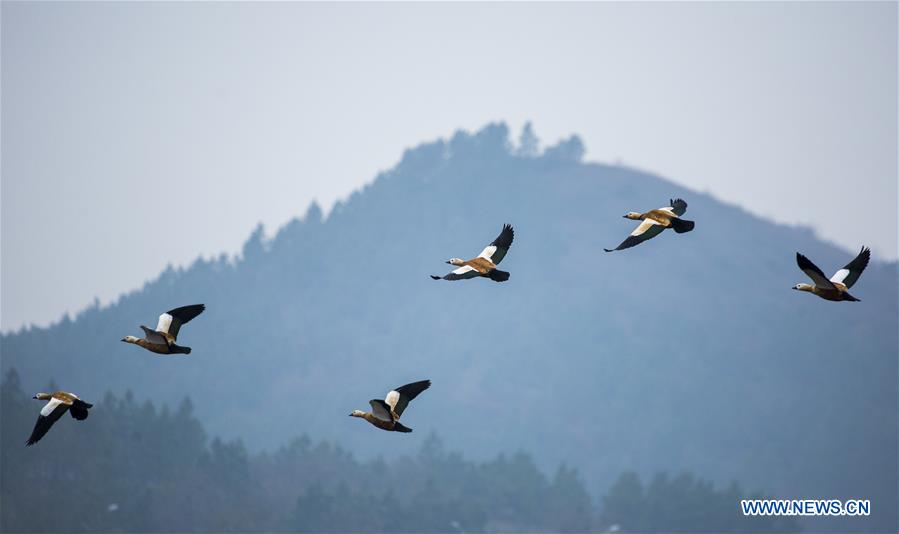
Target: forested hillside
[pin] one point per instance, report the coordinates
(136, 467)
(687, 353)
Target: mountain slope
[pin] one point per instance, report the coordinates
(687, 352)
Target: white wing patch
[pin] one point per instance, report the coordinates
(839, 276)
(392, 398)
(644, 226)
(464, 269)
(165, 321)
(488, 252)
(50, 406)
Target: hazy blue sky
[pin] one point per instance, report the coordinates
(138, 135)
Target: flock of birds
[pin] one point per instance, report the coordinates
(385, 414)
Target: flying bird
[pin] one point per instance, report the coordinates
(837, 287)
(59, 403)
(486, 262)
(654, 222)
(385, 414)
(162, 340)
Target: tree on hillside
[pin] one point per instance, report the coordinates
(682, 504)
(528, 143)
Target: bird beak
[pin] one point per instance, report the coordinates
(624, 216)
(351, 415)
(35, 397)
(447, 262)
(123, 339)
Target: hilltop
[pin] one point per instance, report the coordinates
(689, 352)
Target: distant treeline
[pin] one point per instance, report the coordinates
(133, 467)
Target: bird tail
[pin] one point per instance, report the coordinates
(680, 225)
(850, 298)
(78, 412)
(397, 427)
(498, 276)
(178, 349)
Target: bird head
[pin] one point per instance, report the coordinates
(129, 339)
(633, 215)
(456, 261)
(41, 396)
(357, 413)
(802, 287)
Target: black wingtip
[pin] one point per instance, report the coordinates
(433, 277)
(505, 238)
(185, 314)
(609, 249)
(417, 386)
(412, 389)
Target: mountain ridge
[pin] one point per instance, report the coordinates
(318, 214)
(686, 364)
